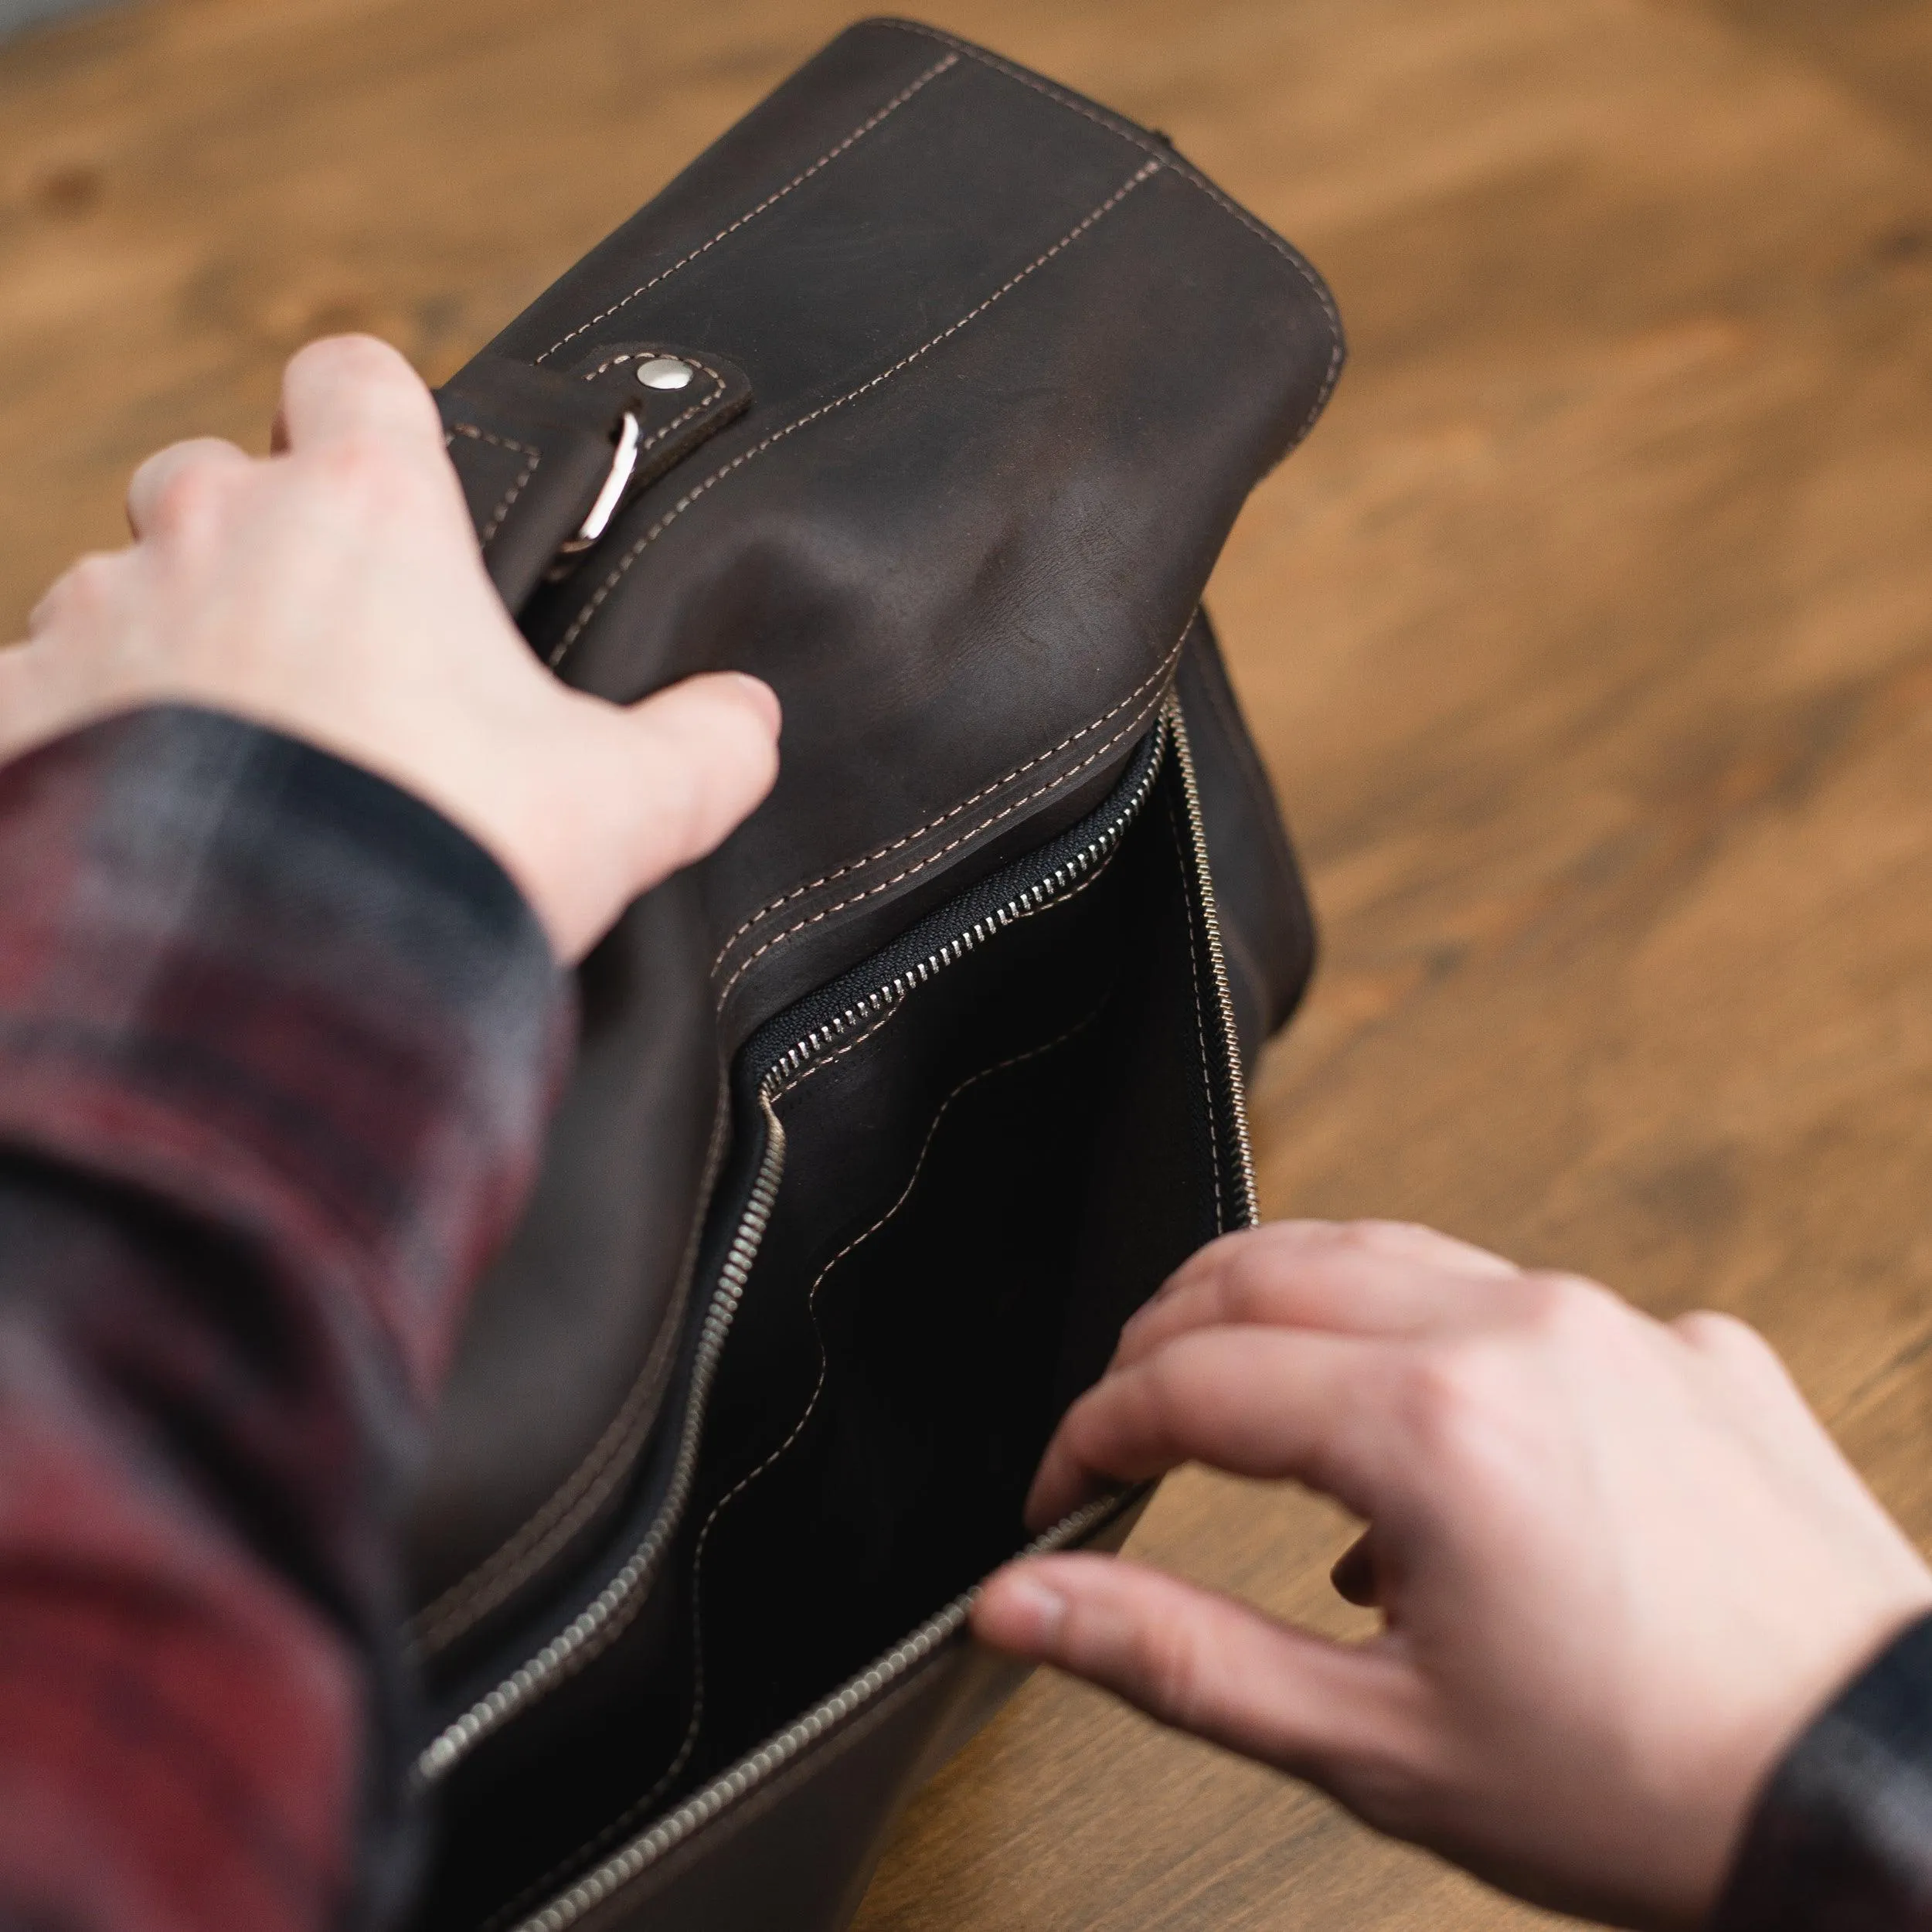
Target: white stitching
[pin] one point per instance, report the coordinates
(548, 1528)
(1159, 159)
(765, 912)
(516, 488)
(798, 181)
(679, 421)
(684, 502)
(580, 1492)
(1174, 165)
(952, 845)
(851, 1046)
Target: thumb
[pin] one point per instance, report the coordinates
(1207, 1665)
(710, 748)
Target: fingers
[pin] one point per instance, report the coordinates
(1354, 1574)
(1359, 1278)
(1735, 1345)
(173, 485)
(22, 707)
(710, 748)
(1264, 1403)
(1203, 1663)
(85, 597)
(348, 389)
(670, 776)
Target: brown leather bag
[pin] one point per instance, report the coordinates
(928, 393)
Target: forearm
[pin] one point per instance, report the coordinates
(276, 1042)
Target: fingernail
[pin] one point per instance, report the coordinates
(1033, 1612)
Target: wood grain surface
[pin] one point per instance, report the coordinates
(1588, 640)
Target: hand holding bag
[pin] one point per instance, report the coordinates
(928, 393)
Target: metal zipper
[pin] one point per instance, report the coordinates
(1217, 961)
(599, 1624)
(625, 1866)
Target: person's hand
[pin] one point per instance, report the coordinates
(1620, 1563)
(334, 591)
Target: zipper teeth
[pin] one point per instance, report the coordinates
(604, 1619)
(1217, 959)
(771, 1757)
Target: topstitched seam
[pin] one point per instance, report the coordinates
(932, 859)
(516, 489)
(798, 181)
(548, 1528)
(684, 502)
(893, 1008)
(679, 421)
(899, 1003)
(1159, 159)
(1174, 165)
(765, 912)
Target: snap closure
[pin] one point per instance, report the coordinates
(666, 372)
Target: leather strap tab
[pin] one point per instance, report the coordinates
(673, 422)
(535, 448)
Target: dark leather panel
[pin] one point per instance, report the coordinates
(976, 1191)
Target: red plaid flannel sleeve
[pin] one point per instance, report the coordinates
(277, 1044)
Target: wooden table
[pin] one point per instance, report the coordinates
(1590, 641)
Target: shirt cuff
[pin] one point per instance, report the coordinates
(1841, 1839)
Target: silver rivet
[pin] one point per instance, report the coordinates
(665, 372)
